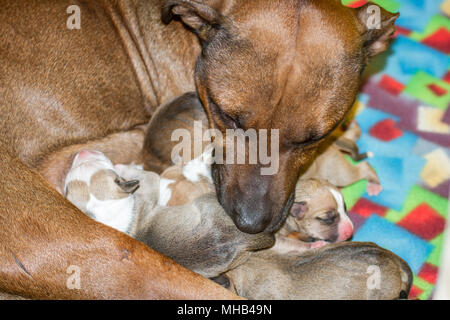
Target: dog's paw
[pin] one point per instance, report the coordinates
(374, 189)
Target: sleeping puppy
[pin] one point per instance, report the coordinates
(344, 271)
(332, 166)
(199, 235)
(95, 188)
(317, 217)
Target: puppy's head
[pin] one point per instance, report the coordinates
(92, 176)
(319, 212)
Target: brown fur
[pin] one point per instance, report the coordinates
(103, 186)
(64, 87)
(121, 148)
(180, 113)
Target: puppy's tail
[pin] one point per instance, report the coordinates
(350, 147)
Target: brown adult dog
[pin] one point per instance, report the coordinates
(293, 65)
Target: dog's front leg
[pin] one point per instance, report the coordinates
(50, 250)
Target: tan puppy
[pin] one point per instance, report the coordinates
(317, 217)
(344, 271)
(332, 166)
(200, 235)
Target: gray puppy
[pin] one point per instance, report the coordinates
(347, 271)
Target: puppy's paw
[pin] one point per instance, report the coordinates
(374, 189)
(318, 244)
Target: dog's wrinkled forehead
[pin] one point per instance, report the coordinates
(301, 67)
(85, 165)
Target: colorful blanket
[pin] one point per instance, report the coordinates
(404, 114)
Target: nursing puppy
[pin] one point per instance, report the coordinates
(351, 271)
(200, 235)
(93, 186)
(317, 217)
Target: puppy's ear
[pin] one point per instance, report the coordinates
(377, 28)
(299, 209)
(128, 186)
(195, 14)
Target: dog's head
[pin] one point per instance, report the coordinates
(289, 65)
(319, 212)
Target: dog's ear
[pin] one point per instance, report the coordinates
(128, 186)
(299, 209)
(377, 28)
(195, 14)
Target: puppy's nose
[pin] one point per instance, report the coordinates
(345, 230)
(86, 154)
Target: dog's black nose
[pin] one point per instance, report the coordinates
(256, 203)
(250, 223)
(260, 217)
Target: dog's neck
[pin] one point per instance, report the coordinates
(139, 25)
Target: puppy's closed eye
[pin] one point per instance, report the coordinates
(328, 218)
